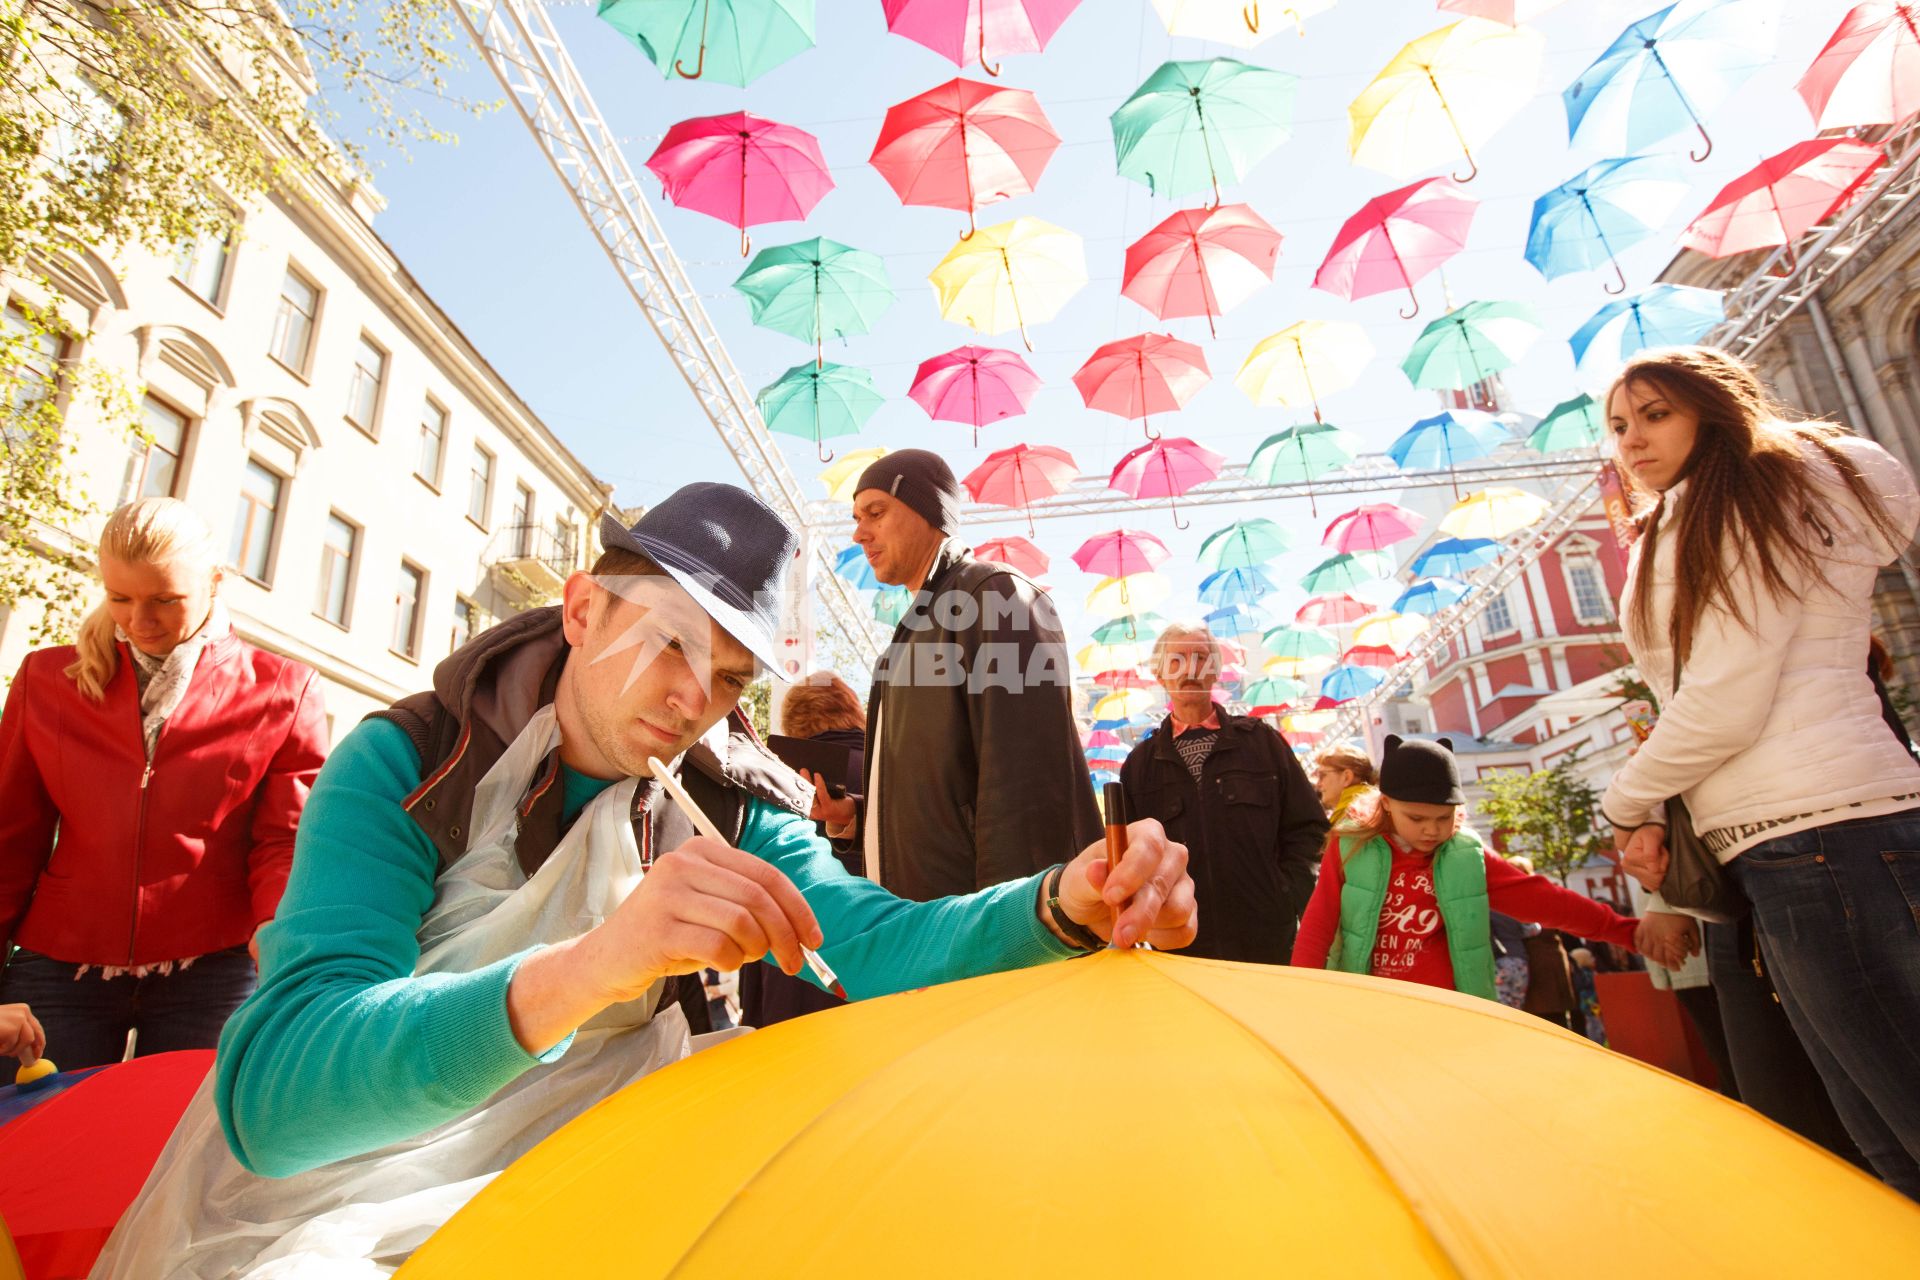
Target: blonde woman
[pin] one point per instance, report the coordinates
(151, 776)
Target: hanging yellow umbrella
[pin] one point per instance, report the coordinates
(1095, 658)
(1240, 23)
(845, 473)
(1132, 594)
(1394, 631)
(1493, 513)
(1307, 721)
(1303, 362)
(1124, 704)
(1223, 1120)
(1297, 668)
(1010, 275)
(1444, 94)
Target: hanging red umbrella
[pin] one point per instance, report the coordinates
(962, 30)
(1143, 375)
(1369, 655)
(974, 385)
(1201, 262)
(1121, 553)
(1395, 239)
(741, 169)
(1015, 552)
(1332, 611)
(964, 145)
(1782, 196)
(1869, 72)
(1015, 477)
(1165, 469)
(1371, 527)
(1131, 678)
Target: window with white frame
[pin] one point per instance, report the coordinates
(293, 321)
(1498, 619)
(466, 621)
(406, 610)
(34, 352)
(200, 263)
(153, 467)
(433, 442)
(480, 486)
(1587, 587)
(363, 391)
(256, 520)
(522, 519)
(337, 548)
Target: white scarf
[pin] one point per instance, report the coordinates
(163, 680)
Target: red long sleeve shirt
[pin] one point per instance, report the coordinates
(1412, 942)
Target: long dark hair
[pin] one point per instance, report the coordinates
(1750, 489)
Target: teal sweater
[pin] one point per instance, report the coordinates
(343, 1049)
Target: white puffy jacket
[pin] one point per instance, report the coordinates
(1776, 728)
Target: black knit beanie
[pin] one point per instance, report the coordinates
(1420, 772)
(921, 479)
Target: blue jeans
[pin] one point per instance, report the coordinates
(1838, 914)
(87, 1020)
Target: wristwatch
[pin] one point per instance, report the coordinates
(1076, 933)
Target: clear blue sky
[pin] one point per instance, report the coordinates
(489, 231)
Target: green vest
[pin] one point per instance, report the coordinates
(1459, 885)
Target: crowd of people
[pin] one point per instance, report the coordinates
(486, 912)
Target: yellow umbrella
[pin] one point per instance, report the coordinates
(1493, 513)
(1296, 668)
(1096, 658)
(1394, 630)
(1124, 704)
(1447, 92)
(1147, 1114)
(844, 474)
(1307, 721)
(1009, 275)
(1240, 23)
(1303, 362)
(1134, 593)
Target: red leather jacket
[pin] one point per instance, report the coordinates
(103, 861)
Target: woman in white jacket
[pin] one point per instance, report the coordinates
(1747, 609)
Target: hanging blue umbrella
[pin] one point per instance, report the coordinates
(1590, 218)
(1235, 586)
(1455, 557)
(1343, 684)
(1661, 315)
(1667, 71)
(1447, 439)
(1110, 724)
(852, 564)
(1429, 596)
(1234, 619)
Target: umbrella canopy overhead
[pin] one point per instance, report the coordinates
(1192, 125)
(843, 475)
(1783, 195)
(1469, 343)
(731, 41)
(1443, 95)
(964, 31)
(891, 604)
(1869, 71)
(816, 289)
(1165, 468)
(974, 386)
(1578, 423)
(1608, 206)
(1345, 572)
(1300, 455)
(818, 402)
(1016, 553)
(1201, 262)
(964, 145)
(1455, 557)
(1332, 611)
(1121, 552)
(1447, 439)
(1244, 544)
(1141, 376)
(1014, 477)
(1010, 275)
(1430, 596)
(1396, 239)
(1304, 361)
(1494, 513)
(1126, 598)
(1345, 683)
(1661, 315)
(1389, 630)
(741, 169)
(1244, 586)
(1510, 12)
(852, 564)
(1299, 642)
(1235, 22)
(1373, 526)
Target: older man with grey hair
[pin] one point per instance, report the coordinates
(1230, 788)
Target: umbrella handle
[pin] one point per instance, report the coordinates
(746, 243)
(1706, 138)
(700, 64)
(1621, 275)
(820, 448)
(1146, 425)
(1473, 168)
(992, 71)
(1250, 14)
(1408, 315)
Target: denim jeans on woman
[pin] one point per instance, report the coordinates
(1838, 912)
(87, 1018)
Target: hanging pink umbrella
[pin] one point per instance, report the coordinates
(1782, 196)
(1332, 611)
(1129, 678)
(1121, 553)
(1201, 262)
(1165, 469)
(1015, 477)
(1015, 552)
(1369, 655)
(1869, 72)
(1395, 239)
(1371, 527)
(974, 385)
(1509, 13)
(962, 30)
(1148, 374)
(742, 170)
(964, 145)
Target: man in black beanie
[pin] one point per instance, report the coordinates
(973, 761)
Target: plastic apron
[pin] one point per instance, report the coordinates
(202, 1215)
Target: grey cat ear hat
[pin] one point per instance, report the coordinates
(1420, 772)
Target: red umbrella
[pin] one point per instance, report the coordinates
(1015, 477)
(1201, 262)
(1371, 527)
(974, 385)
(964, 145)
(1782, 196)
(70, 1167)
(1015, 552)
(961, 30)
(1148, 374)
(1869, 73)
(1369, 655)
(1165, 469)
(1131, 678)
(1332, 611)
(742, 170)
(1396, 239)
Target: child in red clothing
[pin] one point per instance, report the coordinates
(1405, 891)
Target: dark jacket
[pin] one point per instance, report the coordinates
(103, 861)
(981, 773)
(1253, 828)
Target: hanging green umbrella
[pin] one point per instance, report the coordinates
(1193, 123)
(1299, 641)
(1244, 544)
(732, 41)
(1469, 344)
(815, 290)
(818, 402)
(1571, 424)
(1346, 571)
(1128, 627)
(1301, 455)
(890, 604)
(1273, 691)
